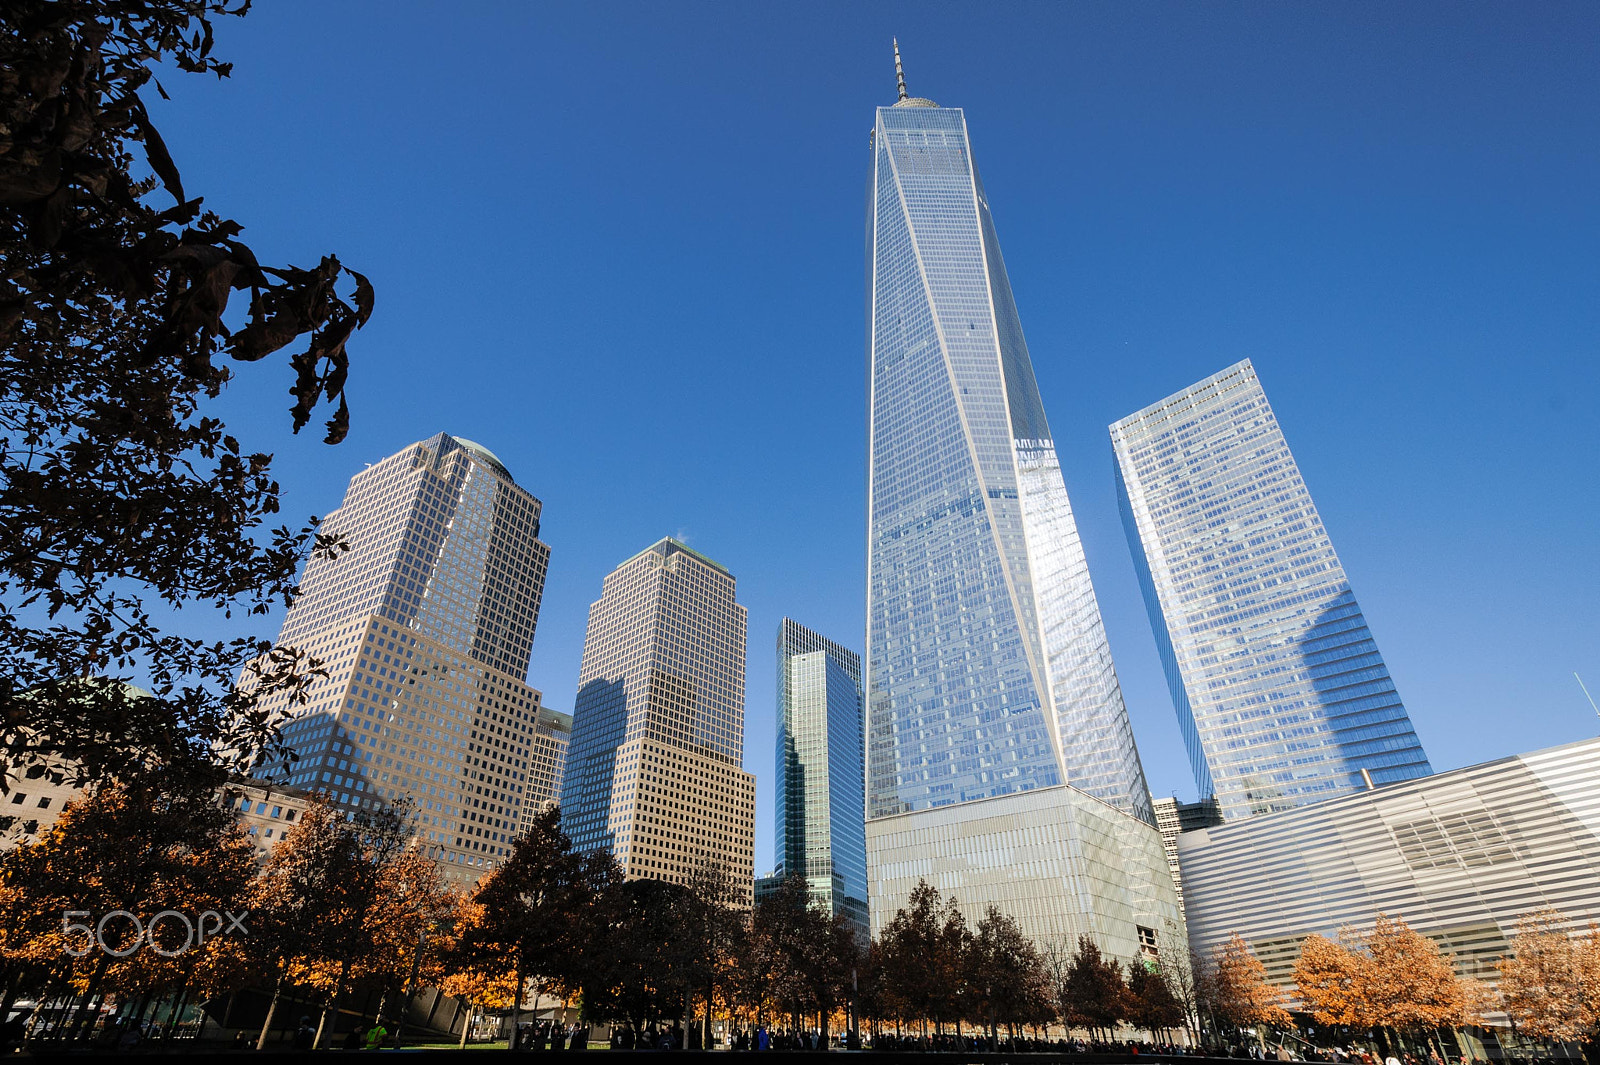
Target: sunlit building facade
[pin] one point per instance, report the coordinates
(425, 626)
(1460, 855)
(818, 795)
(654, 771)
(989, 676)
(1282, 696)
(1173, 818)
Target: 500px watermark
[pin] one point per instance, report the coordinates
(195, 932)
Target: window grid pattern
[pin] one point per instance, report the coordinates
(1282, 696)
(425, 627)
(988, 667)
(654, 768)
(819, 800)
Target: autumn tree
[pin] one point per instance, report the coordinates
(321, 905)
(921, 955)
(644, 968)
(1093, 994)
(1239, 994)
(1152, 1003)
(1008, 978)
(1550, 982)
(1333, 980)
(537, 911)
(122, 848)
(1412, 986)
(470, 973)
(411, 911)
(803, 955)
(119, 487)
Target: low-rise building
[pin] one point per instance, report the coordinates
(1461, 856)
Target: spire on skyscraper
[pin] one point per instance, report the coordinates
(906, 99)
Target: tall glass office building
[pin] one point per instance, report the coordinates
(1281, 693)
(820, 832)
(988, 672)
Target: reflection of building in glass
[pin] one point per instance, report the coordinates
(653, 772)
(1173, 817)
(425, 627)
(1460, 855)
(818, 799)
(988, 670)
(1281, 693)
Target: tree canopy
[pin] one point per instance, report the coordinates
(120, 496)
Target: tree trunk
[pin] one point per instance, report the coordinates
(177, 1011)
(272, 1008)
(466, 1026)
(333, 1005)
(516, 1009)
(89, 993)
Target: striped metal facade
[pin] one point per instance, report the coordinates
(1459, 855)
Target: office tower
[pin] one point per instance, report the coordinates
(1175, 817)
(547, 763)
(819, 798)
(425, 626)
(1282, 696)
(654, 769)
(992, 703)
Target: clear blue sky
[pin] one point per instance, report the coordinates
(622, 246)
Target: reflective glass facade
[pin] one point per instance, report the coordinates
(819, 800)
(988, 670)
(654, 767)
(1281, 693)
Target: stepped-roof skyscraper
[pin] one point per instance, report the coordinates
(654, 772)
(425, 626)
(995, 721)
(1281, 693)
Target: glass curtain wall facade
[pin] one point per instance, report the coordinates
(819, 795)
(988, 667)
(654, 768)
(988, 671)
(1282, 696)
(425, 627)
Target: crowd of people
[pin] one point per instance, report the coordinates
(552, 1035)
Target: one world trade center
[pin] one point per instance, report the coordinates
(1001, 765)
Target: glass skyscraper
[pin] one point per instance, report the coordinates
(988, 672)
(820, 832)
(425, 627)
(654, 771)
(1281, 693)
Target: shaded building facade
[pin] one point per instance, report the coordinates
(1282, 696)
(1173, 817)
